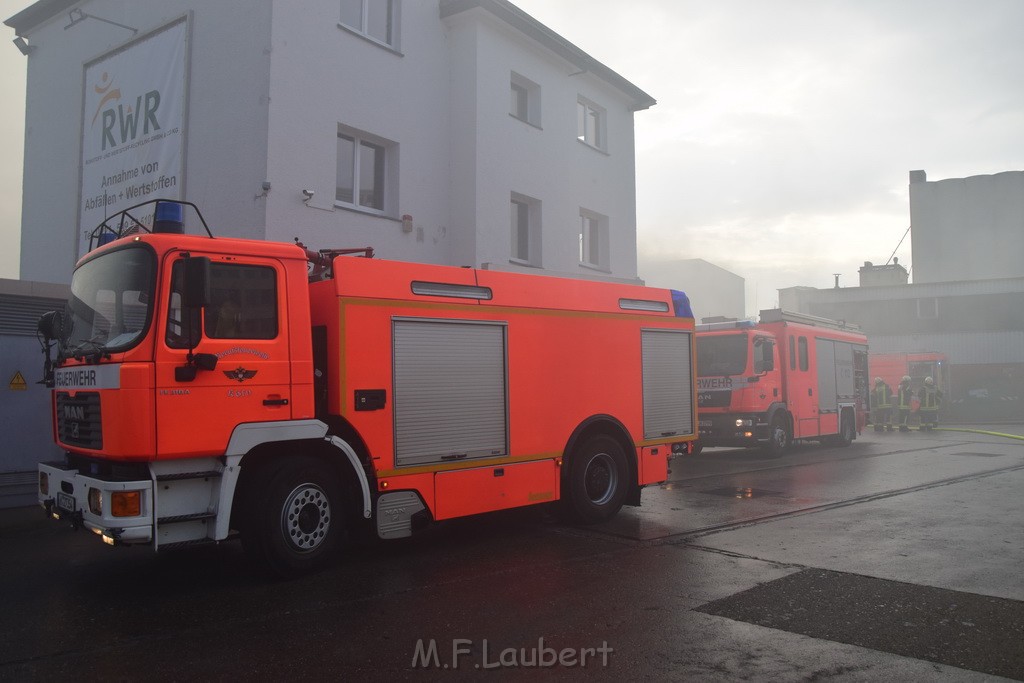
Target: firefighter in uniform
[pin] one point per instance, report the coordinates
(931, 398)
(881, 406)
(904, 394)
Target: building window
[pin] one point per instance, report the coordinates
(590, 124)
(525, 236)
(363, 171)
(525, 100)
(593, 240)
(375, 19)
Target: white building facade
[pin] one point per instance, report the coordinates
(458, 132)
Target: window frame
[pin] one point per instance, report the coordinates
(529, 97)
(202, 323)
(597, 136)
(364, 29)
(533, 230)
(384, 176)
(599, 233)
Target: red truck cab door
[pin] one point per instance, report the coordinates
(244, 328)
(800, 387)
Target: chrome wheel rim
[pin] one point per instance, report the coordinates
(306, 517)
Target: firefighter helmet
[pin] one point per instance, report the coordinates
(878, 380)
(906, 378)
(929, 381)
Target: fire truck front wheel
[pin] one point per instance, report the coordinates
(295, 522)
(778, 437)
(598, 478)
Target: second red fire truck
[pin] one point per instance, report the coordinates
(788, 377)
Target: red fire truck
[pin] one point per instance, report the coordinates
(788, 377)
(211, 388)
(892, 367)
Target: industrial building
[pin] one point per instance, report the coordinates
(967, 296)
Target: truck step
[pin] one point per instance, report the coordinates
(188, 544)
(174, 519)
(181, 476)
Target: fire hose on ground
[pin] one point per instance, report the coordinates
(979, 431)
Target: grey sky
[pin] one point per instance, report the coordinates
(784, 130)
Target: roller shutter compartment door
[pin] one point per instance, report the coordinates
(450, 391)
(667, 383)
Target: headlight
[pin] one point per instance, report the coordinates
(744, 423)
(96, 501)
(44, 483)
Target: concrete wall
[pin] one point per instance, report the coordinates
(967, 228)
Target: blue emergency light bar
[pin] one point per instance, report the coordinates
(165, 216)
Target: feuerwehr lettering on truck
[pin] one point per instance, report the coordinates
(87, 377)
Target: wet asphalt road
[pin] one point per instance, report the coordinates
(899, 557)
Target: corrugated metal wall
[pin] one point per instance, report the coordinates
(24, 407)
(961, 348)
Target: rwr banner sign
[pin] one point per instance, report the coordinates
(133, 119)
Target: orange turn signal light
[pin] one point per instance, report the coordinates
(126, 503)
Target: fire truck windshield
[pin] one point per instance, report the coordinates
(721, 355)
(109, 310)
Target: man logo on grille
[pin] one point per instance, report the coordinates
(74, 412)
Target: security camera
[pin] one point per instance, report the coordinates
(308, 193)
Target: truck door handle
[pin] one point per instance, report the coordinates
(275, 401)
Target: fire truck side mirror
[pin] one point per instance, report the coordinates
(196, 290)
(51, 325)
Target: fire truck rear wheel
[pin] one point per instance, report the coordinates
(598, 477)
(847, 430)
(295, 522)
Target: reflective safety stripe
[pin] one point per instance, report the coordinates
(905, 396)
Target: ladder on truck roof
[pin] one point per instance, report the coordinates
(777, 315)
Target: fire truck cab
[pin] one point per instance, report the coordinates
(788, 377)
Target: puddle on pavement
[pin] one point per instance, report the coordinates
(744, 492)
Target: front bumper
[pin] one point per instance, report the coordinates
(723, 430)
(66, 496)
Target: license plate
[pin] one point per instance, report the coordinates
(65, 502)
(704, 423)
